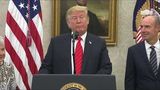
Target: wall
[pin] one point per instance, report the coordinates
(124, 33)
(125, 39)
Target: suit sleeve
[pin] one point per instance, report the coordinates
(105, 66)
(130, 71)
(46, 66)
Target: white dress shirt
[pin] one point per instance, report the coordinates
(83, 45)
(157, 49)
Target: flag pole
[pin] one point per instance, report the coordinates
(29, 37)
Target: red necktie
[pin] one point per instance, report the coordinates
(78, 56)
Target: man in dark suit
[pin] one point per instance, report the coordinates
(141, 72)
(94, 26)
(59, 58)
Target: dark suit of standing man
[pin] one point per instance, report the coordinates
(58, 59)
(139, 72)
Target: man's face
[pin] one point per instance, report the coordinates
(149, 29)
(78, 21)
(2, 53)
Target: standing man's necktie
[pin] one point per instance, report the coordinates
(153, 60)
(78, 56)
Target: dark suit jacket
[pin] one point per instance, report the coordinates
(139, 74)
(58, 57)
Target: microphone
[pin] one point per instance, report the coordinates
(74, 37)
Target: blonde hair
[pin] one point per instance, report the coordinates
(76, 8)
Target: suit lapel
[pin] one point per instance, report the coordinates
(158, 74)
(142, 51)
(87, 48)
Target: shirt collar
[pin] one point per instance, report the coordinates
(157, 45)
(84, 36)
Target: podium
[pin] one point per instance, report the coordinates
(73, 82)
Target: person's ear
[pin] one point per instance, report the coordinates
(68, 23)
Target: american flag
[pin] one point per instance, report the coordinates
(140, 5)
(139, 37)
(23, 39)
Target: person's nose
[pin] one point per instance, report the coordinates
(78, 20)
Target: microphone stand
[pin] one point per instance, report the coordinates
(74, 37)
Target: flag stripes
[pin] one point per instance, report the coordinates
(139, 37)
(23, 24)
(140, 5)
(22, 39)
(17, 62)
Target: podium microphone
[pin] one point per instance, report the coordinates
(74, 37)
